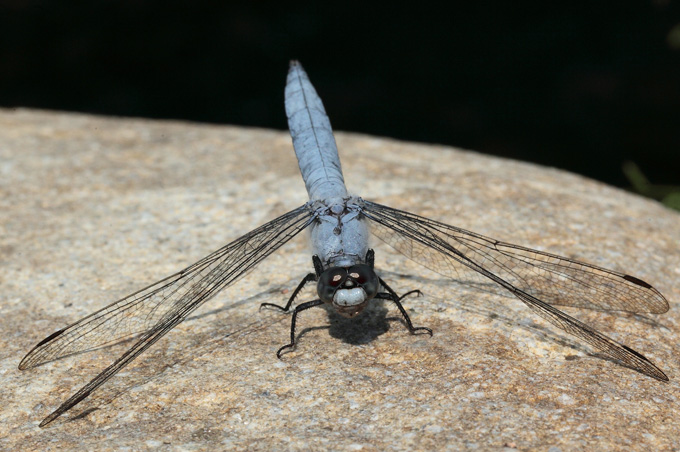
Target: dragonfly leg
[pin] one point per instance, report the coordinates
(318, 268)
(298, 309)
(396, 299)
(309, 278)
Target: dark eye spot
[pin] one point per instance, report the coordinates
(336, 277)
(364, 276)
(358, 274)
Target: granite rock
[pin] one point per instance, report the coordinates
(94, 208)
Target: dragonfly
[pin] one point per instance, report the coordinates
(340, 225)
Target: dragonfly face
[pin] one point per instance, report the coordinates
(348, 289)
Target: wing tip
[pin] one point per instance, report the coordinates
(28, 361)
(648, 368)
(660, 303)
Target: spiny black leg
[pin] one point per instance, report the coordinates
(309, 278)
(318, 268)
(396, 299)
(298, 309)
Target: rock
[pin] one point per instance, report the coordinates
(95, 208)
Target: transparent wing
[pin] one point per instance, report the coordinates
(155, 310)
(539, 279)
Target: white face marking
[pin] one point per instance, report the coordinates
(349, 297)
(337, 278)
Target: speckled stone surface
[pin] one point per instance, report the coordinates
(94, 208)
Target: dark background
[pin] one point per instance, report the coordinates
(583, 86)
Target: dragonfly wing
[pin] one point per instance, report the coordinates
(541, 280)
(157, 309)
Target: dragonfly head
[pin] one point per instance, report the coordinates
(348, 289)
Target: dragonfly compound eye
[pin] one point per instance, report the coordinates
(329, 281)
(364, 276)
